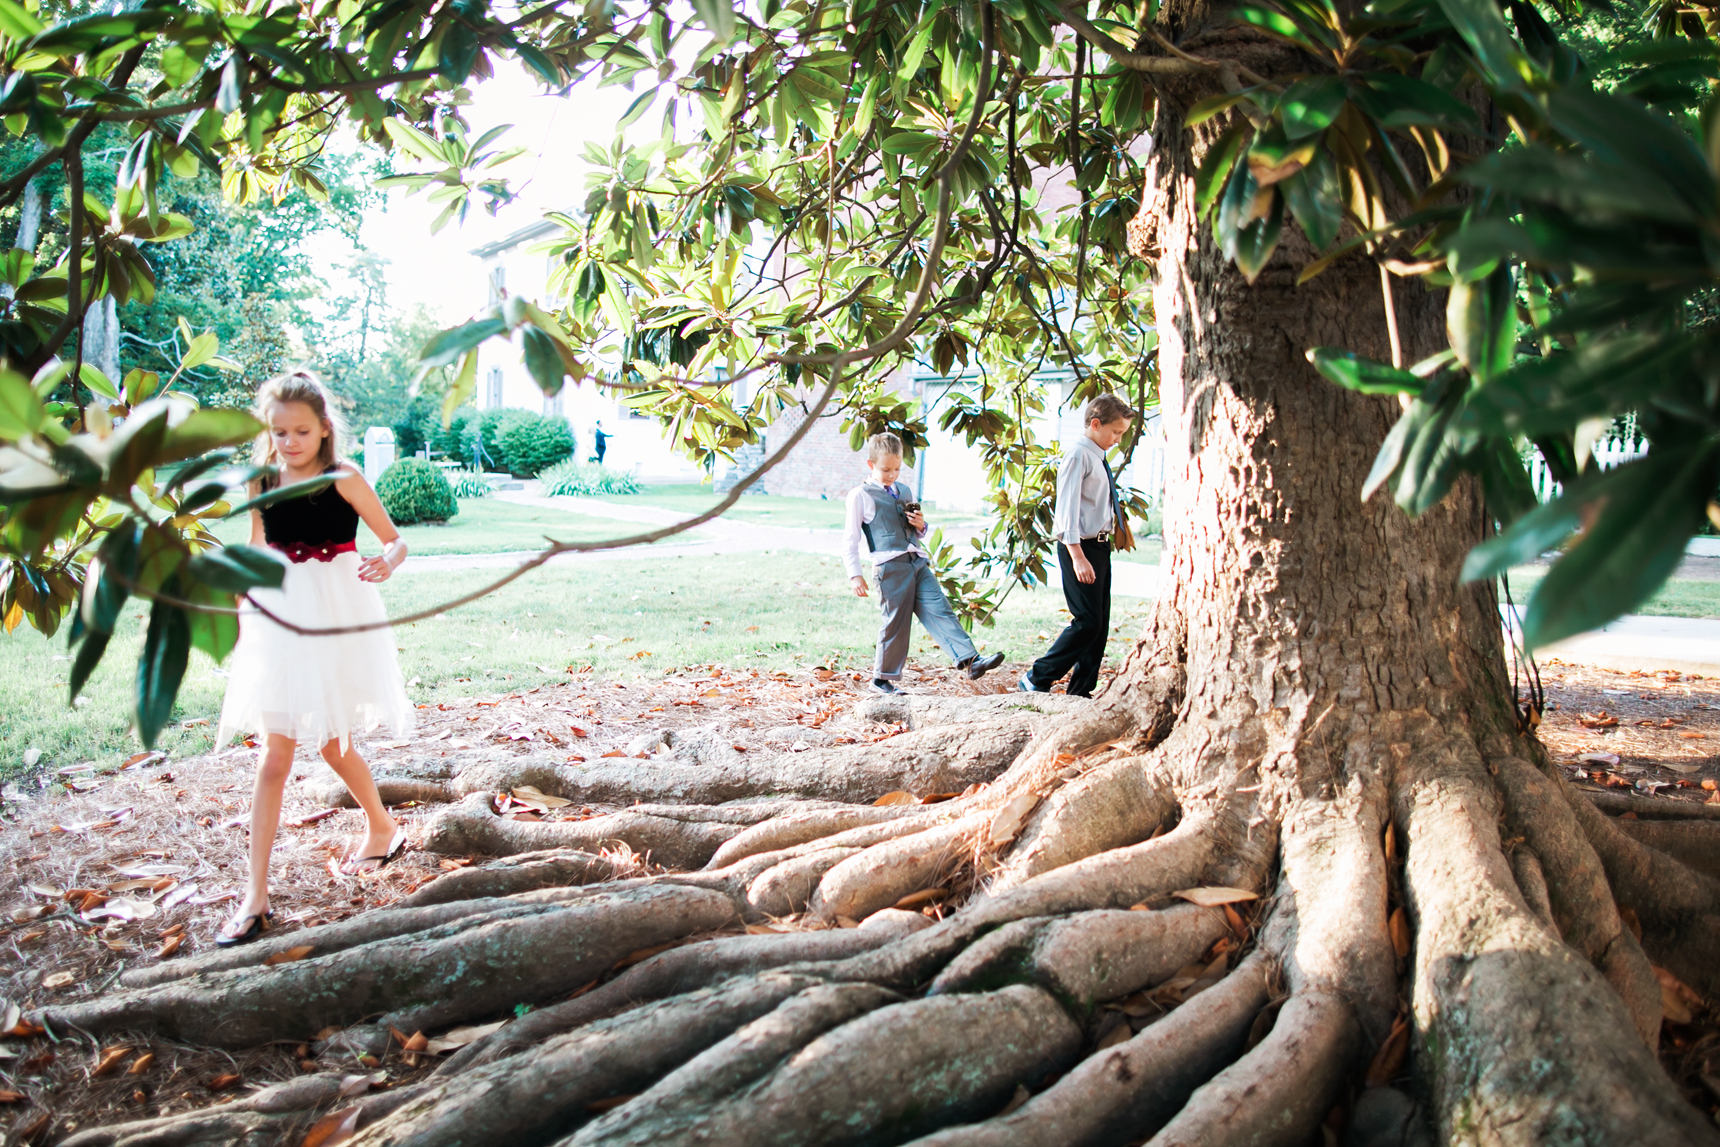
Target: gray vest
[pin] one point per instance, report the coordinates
(888, 529)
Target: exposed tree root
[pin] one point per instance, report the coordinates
(524, 872)
(264, 1118)
(468, 968)
(473, 827)
(787, 831)
(1492, 984)
(684, 969)
(1132, 1089)
(537, 1099)
(1578, 893)
(1089, 957)
(1118, 803)
(908, 1067)
(1279, 1092)
(1649, 808)
(1693, 843)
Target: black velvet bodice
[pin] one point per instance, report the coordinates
(313, 520)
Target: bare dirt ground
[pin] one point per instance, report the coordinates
(117, 871)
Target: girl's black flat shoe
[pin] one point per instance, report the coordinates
(257, 924)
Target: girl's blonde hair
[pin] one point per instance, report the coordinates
(299, 386)
(881, 446)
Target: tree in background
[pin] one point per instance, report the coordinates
(1370, 249)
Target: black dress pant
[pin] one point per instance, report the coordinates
(1080, 649)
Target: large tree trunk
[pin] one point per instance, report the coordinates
(1318, 712)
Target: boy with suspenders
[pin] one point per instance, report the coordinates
(889, 521)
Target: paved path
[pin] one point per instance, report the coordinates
(1687, 645)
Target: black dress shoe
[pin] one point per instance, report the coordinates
(978, 667)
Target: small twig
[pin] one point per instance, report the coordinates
(1182, 64)
(1391, 317)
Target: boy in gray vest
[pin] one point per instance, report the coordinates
(885, 516)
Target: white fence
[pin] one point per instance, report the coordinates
(1606, 455)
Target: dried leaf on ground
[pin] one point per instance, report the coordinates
(1215, 896)
(460, 1037)
(1389, 1060)
(108, 1062)
(334, 1128)
(895, 798)
(141, 1064)
(1009, 819)
(1399, 926)
(1679, 1002)
(289, 955)
(224, 1081)
(57, 980)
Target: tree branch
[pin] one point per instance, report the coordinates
(13, 186)
(1182, 64)
(162, 111)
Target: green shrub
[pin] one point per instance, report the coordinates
(587, 478)
(529, 445)
(471, 485)
(412, 491)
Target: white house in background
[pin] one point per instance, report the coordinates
(637, 445)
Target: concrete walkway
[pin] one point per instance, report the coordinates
(1686, 645)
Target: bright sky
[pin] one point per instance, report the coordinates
(439, 271)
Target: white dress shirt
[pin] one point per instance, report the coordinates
(1083, 493)
(861, 510)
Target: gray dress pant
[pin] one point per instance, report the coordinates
(907, 588)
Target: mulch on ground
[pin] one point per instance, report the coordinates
(1643, 733)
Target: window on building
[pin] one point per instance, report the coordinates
(552, 406)
(498, 283)
(494, 398)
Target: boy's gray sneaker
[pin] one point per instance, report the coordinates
(1025, 685)
(879, 685)
(978, 667)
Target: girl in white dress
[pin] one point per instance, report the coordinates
(287, 687)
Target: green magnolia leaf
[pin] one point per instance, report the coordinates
(410, 139)
(543, 360)
(84, 662)
(214, 633)
(161, 668)
(718, 16)
(1213, 105)
(193, 470)
(450, 344)
(1315, 199)
(282, 494)
(1505, 482)
(1482, 26)
(1256, 242)
(21, 412)
(1481, 321)
(1309, 106)
(1404, 101)
(236, 569)
(1363, 375)
(1649, 511)
(1215, 166)
(209, 428)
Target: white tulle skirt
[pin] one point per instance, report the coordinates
(315, 689)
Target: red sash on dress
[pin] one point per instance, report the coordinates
(299, 553)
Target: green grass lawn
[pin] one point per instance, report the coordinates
(1679, 597)
(622, 617)
(483, 526)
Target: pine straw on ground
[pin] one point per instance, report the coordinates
(165, 841)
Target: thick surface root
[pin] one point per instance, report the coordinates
(1089, 957)
(473, 827)
(1118, 803)
(472, 967)
(1277, 1093)
(685, 969)
(537, 1099)
(525, 872)
(1130, 1090)
(1520, 1034)
(1693, 843)
(907, 1068)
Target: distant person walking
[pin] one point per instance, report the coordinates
(602, 441)
(1087, 512)
(885, 515)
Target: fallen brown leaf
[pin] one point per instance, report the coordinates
(289, 955)
(108, 1062)
(170, 946)
(1009, 819)
(1399, 927)
(223, 1082)
(12, 1097)
(1389, 1060)
(925, 896)
(895, 798)
(335, 1127)
(1216, 895)
(141, 1064)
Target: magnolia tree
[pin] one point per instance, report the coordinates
(1372, 250)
